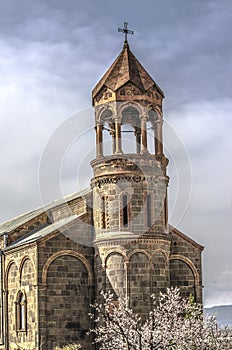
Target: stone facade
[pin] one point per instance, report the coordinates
(115, 236)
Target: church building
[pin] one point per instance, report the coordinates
(114, 236)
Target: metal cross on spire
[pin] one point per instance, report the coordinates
(125, 31)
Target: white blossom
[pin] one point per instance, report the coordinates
(174, 323)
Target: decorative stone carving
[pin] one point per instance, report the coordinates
(129, 90)
(115, 179)
(103, 96)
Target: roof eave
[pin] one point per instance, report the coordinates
(185, 237)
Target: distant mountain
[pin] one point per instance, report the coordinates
(223, 314)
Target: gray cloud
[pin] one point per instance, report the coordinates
(53, 53)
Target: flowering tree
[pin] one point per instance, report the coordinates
(174, 324)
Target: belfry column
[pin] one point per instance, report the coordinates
(112, 133)
(143, 135)
(159, 138)
(118, 140)
(138, 140)
(99, 148)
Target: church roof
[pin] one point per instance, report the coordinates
(21, 219)
(174, 230)
(42, 232)
(126, 68)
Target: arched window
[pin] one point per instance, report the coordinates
(107, 139)
(130, 130)
(152, 137)
(128, 138)
(148, 210)
(108, 135)
(130, 113)
(103, 212)
(125, 219)
(165, 211)
(21, 311)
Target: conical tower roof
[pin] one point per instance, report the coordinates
(126, 68)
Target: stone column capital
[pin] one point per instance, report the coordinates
(159, 122)
(144, 135)
(118, 118)
(143, 117)
(118, 143)
(99, 148)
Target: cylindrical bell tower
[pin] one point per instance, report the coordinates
(130, 183)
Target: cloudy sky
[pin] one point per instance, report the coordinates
(52, 53)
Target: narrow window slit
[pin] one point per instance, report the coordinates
(148, 210)
(103, 213)
(124, 211)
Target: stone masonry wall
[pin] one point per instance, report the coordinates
(135, 269)
(66, 290)
(68, 299)
(136, 189)
(185, 265)
(21, 277)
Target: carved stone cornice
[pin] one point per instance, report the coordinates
(133, 179)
